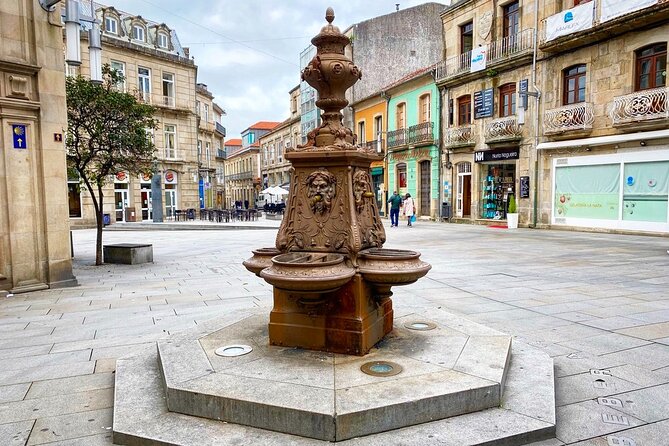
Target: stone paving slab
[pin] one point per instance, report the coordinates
(15, 434)
(472, 266)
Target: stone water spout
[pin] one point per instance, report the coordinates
(330, 273)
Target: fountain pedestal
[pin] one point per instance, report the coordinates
(350, 320)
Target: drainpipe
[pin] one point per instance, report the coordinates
(440, 111)
(536, 117)
(386, 176)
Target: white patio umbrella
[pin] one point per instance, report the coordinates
(278, 190)
(267, 191)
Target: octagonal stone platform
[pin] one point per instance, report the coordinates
(456, 373)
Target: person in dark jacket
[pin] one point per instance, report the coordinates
(395, 202)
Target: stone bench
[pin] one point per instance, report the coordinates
(127, 253)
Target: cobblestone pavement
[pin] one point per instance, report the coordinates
(597, 303)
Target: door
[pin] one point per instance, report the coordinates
(120, 203)
(147, 209)
(170, 202)
(425, 183)
(464, 193)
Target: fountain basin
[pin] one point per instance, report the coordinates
(262, 258)
(391, 267)
(308, 272)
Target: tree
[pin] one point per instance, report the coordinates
(107, 133)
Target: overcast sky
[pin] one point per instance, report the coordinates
(247, 51)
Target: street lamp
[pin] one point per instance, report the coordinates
(48, 5)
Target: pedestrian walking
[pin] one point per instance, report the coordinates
(409, 208)
(395, 202)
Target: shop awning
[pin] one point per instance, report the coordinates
(604, 140)
(377, 170)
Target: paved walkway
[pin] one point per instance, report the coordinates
(598, 303)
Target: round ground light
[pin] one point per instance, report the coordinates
(420, 325)
(381, 368)
(233, 350)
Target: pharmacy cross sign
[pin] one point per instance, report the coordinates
(19, 136)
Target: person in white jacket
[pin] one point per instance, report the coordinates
(409, 208)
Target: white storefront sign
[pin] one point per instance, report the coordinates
(479, 58)
(570, 21)
(616, 8)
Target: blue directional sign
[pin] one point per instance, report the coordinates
(19, 136)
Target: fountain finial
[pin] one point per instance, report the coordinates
(329, 15)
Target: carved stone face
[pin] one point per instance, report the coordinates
(361, 188)
(321, 191)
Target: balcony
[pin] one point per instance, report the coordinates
(501, 53)
(569, 118)
(375, 146)
(503, 130)
(220, 154)
(418, 135)
(168, 102)
(641, 106)
(240, 176)
(397, 138)
(220, 129)
(459, 137)
(604, 28)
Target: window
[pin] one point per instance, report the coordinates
(651, 67)
(197, 107)
(111, 25)
(400, 116)
(401, 175)
(424, 108)
(120, 67)
(511, 19)
(199, 149)
(168, 89)
(580, 2)
(206, 113)
(507, 100)
(170, 141)
(361, 132)
(574, 85)
(74, 199)
(378, 126)
(208, 152)
(162, 40)
(138, 33)
(466, 37)
(144, 83)
(465, 110)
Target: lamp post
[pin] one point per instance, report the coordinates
(156, 194)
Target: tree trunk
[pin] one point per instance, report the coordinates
(99, 224)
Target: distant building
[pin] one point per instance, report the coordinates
(242, 165)
(275, 169)
(210, 139)
(310, 117)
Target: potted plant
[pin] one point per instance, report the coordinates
(512, 215)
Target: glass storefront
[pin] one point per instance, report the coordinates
(497, 183)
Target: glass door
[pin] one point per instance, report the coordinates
(170, 201)
(120, 203)
(147, 208)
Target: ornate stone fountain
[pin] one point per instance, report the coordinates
(330, 273)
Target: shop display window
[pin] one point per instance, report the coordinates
(497, 183)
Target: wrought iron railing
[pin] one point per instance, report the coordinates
(421, 133)
(220, 153)
(459, 136)
(570, 117)
(376, 145)
(240, 176)
(167, 101)
(220, 129)
(503, 128)
(397, 138)
(641, 106)
(498, 51)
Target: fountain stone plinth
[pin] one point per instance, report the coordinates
(322, 298)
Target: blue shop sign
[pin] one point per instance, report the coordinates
(19, 136)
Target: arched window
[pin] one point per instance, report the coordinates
(651, 67)
(573, 88)
(138, 33)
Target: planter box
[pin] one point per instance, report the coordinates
(127, 253)
(512, 221)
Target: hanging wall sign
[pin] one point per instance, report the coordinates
(616, 8)
(170, 177)
(483, 103)
(524, 187)
(19, 136)
(578, 18)
(479, 58)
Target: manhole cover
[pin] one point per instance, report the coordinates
(381, 368)
(420, 325)
(233, 350)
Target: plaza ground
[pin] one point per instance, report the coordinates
(597, 303)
